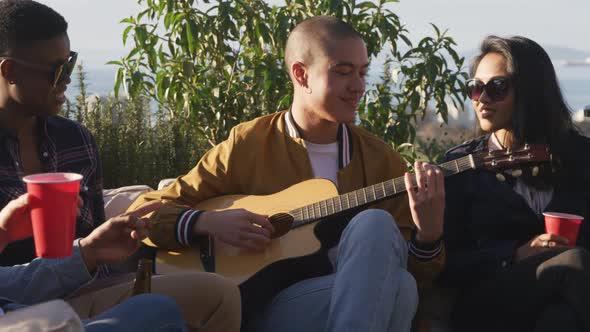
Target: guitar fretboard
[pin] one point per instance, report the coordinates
(368, 195)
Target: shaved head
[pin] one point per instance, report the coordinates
(315, 37)
(327, 62)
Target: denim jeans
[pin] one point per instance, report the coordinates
(145, 313)
(370, 290)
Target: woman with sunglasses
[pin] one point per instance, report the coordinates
(511, 275)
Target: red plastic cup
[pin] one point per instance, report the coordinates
(53, 198)
(563, 224)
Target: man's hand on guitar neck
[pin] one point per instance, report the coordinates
(427, 201)
(239, 228)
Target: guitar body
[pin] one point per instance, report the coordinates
(308, 218)
(238, 264)
(290, 258)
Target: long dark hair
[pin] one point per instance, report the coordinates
(540, 113)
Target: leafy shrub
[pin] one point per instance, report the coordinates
(209, 66)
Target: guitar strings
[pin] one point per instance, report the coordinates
(315, 211)
(360, 197)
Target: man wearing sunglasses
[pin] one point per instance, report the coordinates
(35, 67)
(57, 73)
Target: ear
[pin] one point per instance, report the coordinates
(299, 73)
(7, 70)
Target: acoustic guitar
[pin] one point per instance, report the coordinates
(308, 218)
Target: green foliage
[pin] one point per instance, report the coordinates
(434, 149)
(210, 65)
(220, 63)
(136, 145)
(213, 68)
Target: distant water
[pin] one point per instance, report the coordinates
(99, 80)
(574, 81)
(575, 84)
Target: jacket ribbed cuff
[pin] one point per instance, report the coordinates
(184, 227)
(424, 252)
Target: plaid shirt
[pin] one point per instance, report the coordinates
(65, 146)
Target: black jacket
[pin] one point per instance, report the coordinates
(486, 220)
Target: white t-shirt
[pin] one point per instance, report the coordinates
(324, 160)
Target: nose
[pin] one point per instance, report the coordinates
(357, 83)
(64, 82)
(484, 98)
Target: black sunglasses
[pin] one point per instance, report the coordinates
(58, 73)
(496, 89)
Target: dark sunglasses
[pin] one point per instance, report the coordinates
(58, 73)
(496, 89)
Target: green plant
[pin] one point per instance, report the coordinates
(433, 150)
(137, 144)
(196, 69)
(216, 64)
(413, 83)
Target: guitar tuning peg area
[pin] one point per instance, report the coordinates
(500, 177)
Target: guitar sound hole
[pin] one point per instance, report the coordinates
(282, 223)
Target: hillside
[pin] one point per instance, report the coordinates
(557, 53)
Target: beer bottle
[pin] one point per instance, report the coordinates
(143, 277)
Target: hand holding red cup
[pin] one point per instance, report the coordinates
(563, 224)
(53, 199)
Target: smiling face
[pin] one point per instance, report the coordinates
(33, 89)
(336, 80)
(493, 115)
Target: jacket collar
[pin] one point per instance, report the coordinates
(481, 142)
(344, 139)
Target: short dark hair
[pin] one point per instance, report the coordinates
(334, 27)
(316, 31)
(540, 113)
(26, 21)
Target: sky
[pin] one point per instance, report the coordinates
(95, 31)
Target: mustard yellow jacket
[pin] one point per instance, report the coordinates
(261, 158)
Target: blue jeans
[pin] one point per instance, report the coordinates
(145, 313)
(371, 290)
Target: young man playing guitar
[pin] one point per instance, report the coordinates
(368, 287)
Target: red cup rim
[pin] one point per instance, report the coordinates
(52, 178)
(563, 215)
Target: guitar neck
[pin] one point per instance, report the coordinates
(369, 195)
